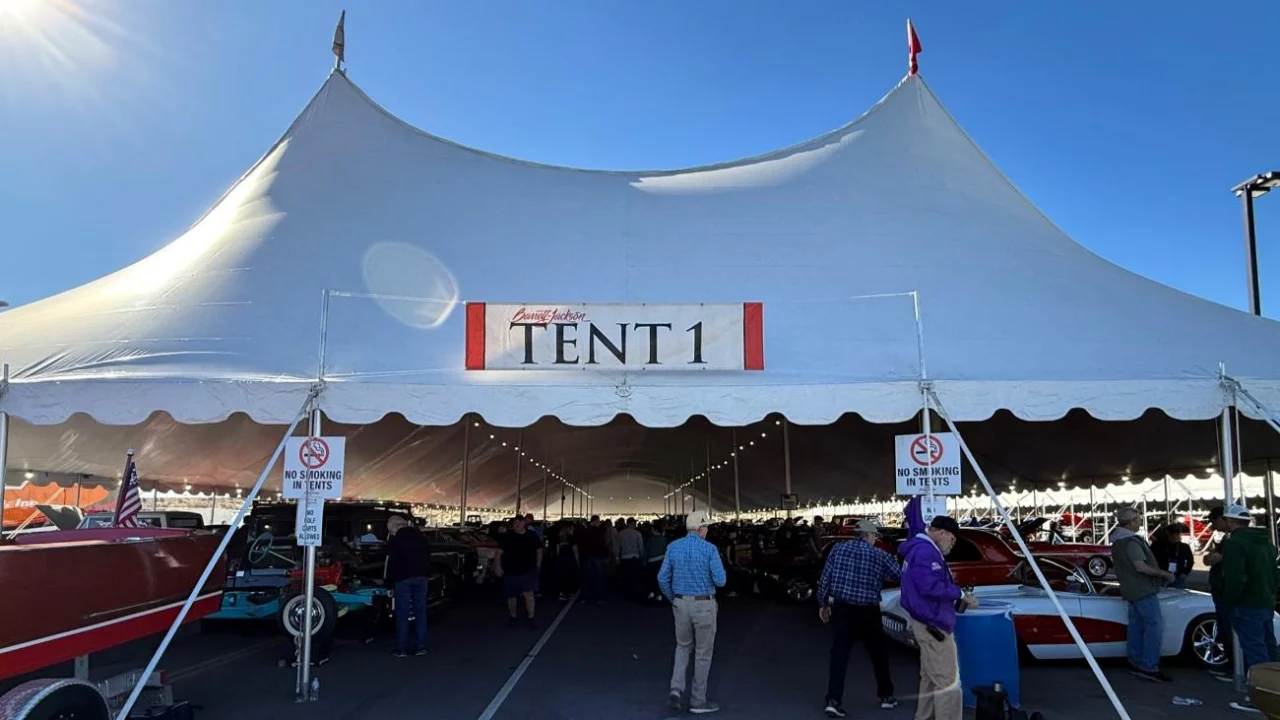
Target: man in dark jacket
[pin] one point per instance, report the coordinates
(408, 567)
(930, 595)
(1141, 578)
(1249, 587)
(1174, 555)
(1213, 559)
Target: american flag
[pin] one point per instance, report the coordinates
(129, 502)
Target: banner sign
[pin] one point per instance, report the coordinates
(923, 458)
(648, 337)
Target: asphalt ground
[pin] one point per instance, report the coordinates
(608, 661)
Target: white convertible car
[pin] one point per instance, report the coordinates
(1096, 609)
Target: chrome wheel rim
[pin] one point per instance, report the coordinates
(1205, 644)
(293, 613)
(1097, 567)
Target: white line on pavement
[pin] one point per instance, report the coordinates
(510, 685)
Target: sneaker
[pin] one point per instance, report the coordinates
(835, 709)
(420, 652)
(400, 654)
(1161, 677)
(705, 708)
(1143, 674)
(675, 700)
(1245, 706)
(888, 703)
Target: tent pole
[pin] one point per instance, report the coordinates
(562, 489)
(737, 498)
(1228, 492)
(786, 458)
(708, 449)
(308, 590)
(1269, 489)
(4, 440)
(519, 467)
(1168, 506)
(213, 561)
(1031, 561)
(544, 496)
(466, 469)
(693, 484)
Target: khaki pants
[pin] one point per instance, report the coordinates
(940, 694)
(696, 634)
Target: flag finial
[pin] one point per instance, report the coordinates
(340, 42)
(913, 49)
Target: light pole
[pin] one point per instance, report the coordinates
(1254, 187)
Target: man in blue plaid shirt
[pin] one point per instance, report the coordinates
(689, 576)
(849, 599)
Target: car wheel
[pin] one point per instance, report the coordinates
(1097, 567)
(324, 613)
(1086, 537)
(799, 590)
(1203, 645)
(51, 699)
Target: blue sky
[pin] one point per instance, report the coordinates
(1127, 123)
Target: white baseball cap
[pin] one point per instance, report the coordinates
(1237, 512)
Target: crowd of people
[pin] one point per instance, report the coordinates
(1242, 581)
(682, 562)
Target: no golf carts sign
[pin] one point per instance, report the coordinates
(922, 459)
(313, 470)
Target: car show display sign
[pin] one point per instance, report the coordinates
(313, 472)
(615, 336)
(924, 459)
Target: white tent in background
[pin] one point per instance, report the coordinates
(396, 226)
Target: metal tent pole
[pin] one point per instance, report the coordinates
(737, 498)
(708, 449)
(693, 483)
(213, 562)
(1269, 489)
(4, 438)
(1032, 562)
(519, 468)
(544, 494)
(466, 469)
(1228, 474)
(308, 590)
(1168, 506)
(786, 458)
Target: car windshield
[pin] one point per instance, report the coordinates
(1062, 578)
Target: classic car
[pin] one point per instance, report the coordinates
(1045, 540)
(1096, 609)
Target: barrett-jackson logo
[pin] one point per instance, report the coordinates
(546, 316)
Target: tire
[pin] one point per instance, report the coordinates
(1086, 537)
(1097, 567)
(54, 700)
(799, 590)
(324, 611)
(1201, 646)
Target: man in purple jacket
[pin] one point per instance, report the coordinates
(930, 596)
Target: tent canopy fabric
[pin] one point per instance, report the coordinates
(355, 204)
(346, 250)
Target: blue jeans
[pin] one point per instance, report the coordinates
(1223, 616)
(592, 580)
(411, 597)
(1255, 629)
(1145, 628)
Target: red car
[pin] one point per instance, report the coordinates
(1048, 542)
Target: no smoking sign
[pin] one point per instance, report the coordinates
(924, 460)
(314, 467)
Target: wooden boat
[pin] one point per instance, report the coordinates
(69, 593)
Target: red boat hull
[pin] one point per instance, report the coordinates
(82, 591)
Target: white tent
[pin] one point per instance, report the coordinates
(396, 226)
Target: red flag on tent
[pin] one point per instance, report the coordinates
(913, 49)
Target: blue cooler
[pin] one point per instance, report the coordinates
(988, 650)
